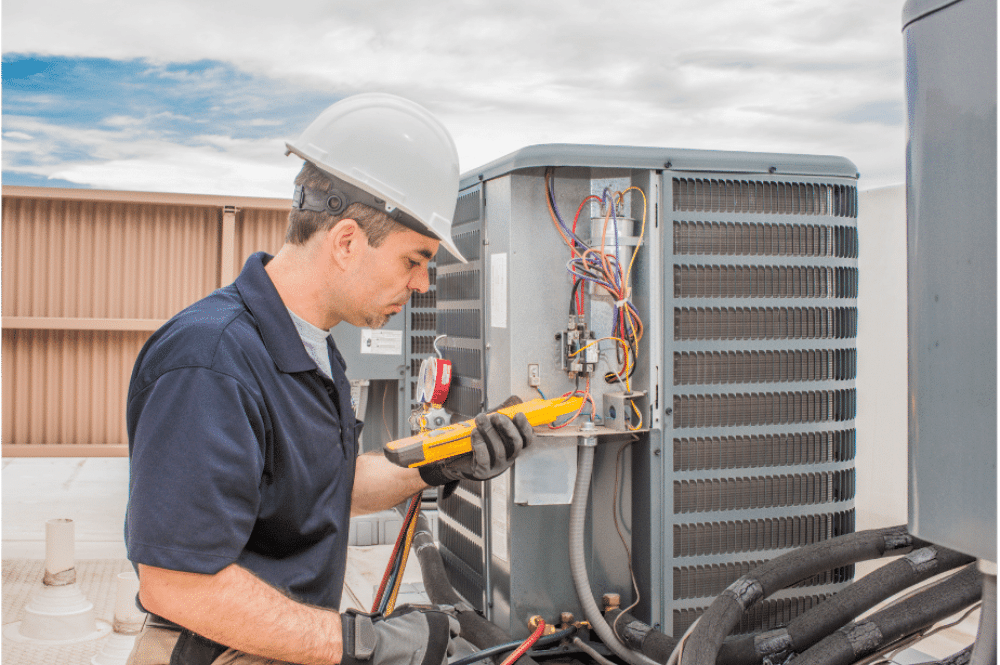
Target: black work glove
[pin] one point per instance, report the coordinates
(496, 441)
(412, 635)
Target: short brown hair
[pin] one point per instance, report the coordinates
(303, 224)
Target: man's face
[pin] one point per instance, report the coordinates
(387, 276)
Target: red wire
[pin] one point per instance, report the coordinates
(527, 644)
(579, 296)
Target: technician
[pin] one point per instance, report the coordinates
(242, 439)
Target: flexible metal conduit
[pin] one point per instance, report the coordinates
(578, 563)
(725, 612)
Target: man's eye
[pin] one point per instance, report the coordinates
(413, 264)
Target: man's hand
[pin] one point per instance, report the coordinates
(496, 441)
(411, 634)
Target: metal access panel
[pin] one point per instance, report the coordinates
(952, 262)
(746, 283)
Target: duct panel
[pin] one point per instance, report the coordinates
(952, 262)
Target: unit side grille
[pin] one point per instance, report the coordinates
(722, 367)
(423, 321)
(463, 285)
(710, 580)
(754, 451)
(468, 243)
(465, 401)
(422, 344)
(750, 409)
(765, 282)
(468, 207)
(760, 323)
(459, 323)
(707, 538)
(465, 362)
(459, 315)
(766, 614)
(800, 489)
(769, 198)
(760, 239)
(462, 547)
(427, 300)
(468, 514)
(467, 583)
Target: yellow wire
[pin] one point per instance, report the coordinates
(583, 348)
(642, 233)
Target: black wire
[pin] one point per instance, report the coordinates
(510, 646)
(572, 296)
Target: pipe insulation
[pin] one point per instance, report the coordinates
(727, 609)
(640, 636)
(578, 562)
(901, 619)
(809, 628)
(481, 633)
(984, 651)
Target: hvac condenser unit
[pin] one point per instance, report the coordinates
(728, 439)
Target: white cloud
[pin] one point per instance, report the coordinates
(765, 75)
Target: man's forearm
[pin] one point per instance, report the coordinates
(237, 609)
(379, 484)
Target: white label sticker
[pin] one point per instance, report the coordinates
(498, 294)
(382, 342)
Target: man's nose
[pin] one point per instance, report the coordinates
(420, 281)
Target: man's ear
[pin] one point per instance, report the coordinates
(345, 242)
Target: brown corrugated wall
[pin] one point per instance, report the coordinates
(87, 276)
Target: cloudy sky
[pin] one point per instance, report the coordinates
(199, 96)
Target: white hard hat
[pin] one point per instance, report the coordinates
(395, 151)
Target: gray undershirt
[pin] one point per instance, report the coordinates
(314, 340)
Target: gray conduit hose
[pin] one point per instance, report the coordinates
(984, 652)
(578, 563)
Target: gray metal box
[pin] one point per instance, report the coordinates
(746, 282)
(952, 272)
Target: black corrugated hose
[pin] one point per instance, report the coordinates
(724, 614)
(809, 628)
(901, 619)
(476, 629)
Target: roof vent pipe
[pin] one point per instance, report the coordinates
(128, 623)
(57, 611)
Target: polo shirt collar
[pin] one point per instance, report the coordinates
(281, 339)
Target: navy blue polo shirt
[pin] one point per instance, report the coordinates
(240, 450)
